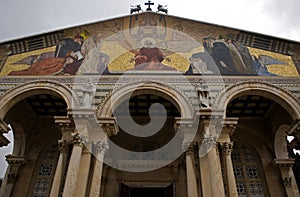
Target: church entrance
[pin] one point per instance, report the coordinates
(126, 191)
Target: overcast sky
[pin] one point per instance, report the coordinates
(22, 18)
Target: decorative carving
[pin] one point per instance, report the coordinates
(88, 91)
(227, 147)
(287, 181)
(209, 141)
(62, 146)
(11, 178)
(79, 140)
(101, 146)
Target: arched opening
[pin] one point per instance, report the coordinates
(139, 109)
(31, 116)
(260, 118)
(131, 172)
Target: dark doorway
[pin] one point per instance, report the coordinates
(126, 191)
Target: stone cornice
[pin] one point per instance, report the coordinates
(170, 78)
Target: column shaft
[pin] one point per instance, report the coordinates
(192, 188)
(216, 181)
(59, 172)
(227, 149)
(83, 174)
(73, 167)
(100, 148)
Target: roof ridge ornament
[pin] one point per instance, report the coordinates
(138, 8)
(149, 5)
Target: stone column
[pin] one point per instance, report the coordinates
(229, 125)
(60, 167)
(66, 128)
(83, 173)
(209, 147)
(287, 175)
(100, 148)
(192, 187)
(73, 168)
(14, 163)
(227, 148)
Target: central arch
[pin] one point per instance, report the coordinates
(169, 93)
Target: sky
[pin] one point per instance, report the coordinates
(278, 18)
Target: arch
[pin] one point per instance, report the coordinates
(279, 95)
(13, 96)
(175, 97)
(280, 142)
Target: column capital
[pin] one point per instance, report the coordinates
(79, 139)
(209, 141)
(188, 147)
(100, 146)
(62, 146)
(227, 147)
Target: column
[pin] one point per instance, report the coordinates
(66, 128)
(83, 173)
(100, 148)
(11, 174)
(227, 148)
(229, 125)
(209, 147)
(216, 180)
(287, 175)
(73, 168)
(192, 187)
(60, 167)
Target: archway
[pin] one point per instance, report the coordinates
(30, 110)
(144, 152)
(262, 109)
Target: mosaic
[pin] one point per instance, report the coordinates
(146, 44)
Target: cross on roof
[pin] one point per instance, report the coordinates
(149, 4)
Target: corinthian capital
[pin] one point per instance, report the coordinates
(101, 146)
(227, 147)
(62, 146)
(79, 139)
(209, 141)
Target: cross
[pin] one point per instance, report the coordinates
(149, 4)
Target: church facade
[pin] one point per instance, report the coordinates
(151, 105)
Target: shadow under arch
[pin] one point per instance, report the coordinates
(115, 98)
(13, 96)
(284, 98)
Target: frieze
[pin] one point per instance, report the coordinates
(184, 84)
